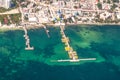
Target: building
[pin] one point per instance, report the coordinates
(118, 15)
(5, 3)
(105, 15)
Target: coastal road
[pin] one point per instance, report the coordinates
(13, 11)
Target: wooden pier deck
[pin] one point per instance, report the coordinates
(72, 54)
(27, 40)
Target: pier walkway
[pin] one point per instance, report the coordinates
(27, 40)
(72, 54)
(46, 30)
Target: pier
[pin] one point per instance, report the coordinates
(46, 30)
(72, 54)
(27, 40)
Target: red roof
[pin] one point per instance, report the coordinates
(5, 20)
(96, 1)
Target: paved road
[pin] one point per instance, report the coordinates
(13, 11)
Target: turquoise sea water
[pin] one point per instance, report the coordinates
(101, 42)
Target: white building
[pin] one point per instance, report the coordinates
(5, 3)
(32, 19)
(118, 15)
(105, 15)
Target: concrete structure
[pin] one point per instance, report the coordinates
(32, 19)
(5, 3)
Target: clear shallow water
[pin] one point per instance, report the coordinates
(101, 42)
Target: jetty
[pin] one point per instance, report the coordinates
(27, 40)
(72, 54)
(46, 30)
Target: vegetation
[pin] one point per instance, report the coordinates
(99, 5)
(115, 1)
(2, 18)
(15, 18)
(75, 7)
(108, 1)
(113, 7)
(3, 10)
(21, 0)
(109, 20)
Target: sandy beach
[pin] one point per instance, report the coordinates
(13, 27)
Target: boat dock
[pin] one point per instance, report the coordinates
(72, 54)
(47, 31)
(27, 40)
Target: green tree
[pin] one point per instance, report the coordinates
(113, 7)
(99, 5)
(108, 1)
(115, 1)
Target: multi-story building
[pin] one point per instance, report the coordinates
(5, 3)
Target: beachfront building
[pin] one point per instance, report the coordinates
(118, 15)
(5, 3)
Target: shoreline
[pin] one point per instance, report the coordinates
(6, 27)
(92, 23)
